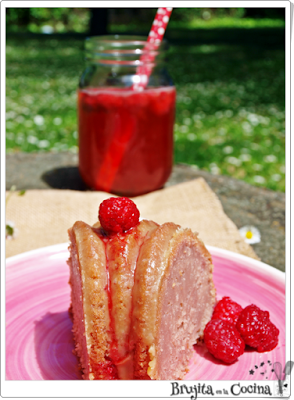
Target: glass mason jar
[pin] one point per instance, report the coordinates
(125, 127)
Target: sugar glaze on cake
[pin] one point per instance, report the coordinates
(140, 299)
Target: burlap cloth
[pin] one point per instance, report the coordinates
(42, 217)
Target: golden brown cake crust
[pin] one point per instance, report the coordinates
(147, 277)
(91, 264)
(104, 277)
(122, 253)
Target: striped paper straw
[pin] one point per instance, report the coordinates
(153, 42)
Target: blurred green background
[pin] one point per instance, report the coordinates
(228, 66)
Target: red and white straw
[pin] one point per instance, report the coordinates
(159, 25)
(153, 42)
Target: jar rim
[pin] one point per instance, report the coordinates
(118, 37)
(119, 41)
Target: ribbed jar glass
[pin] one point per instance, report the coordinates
(126, 108)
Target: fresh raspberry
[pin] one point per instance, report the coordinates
(223, 340)
(227, 310)
(256, 329)
(118, 214)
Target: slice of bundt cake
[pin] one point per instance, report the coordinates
(173, 299)
(140, 298)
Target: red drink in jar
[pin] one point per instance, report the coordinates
(126, 138)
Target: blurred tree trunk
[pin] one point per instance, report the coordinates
(24, 18)
(98, 21)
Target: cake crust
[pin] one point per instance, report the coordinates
(122, 252)
(163, 302)
(140, 299)
(149, 271)
(90, 306)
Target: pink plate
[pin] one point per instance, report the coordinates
(38, 329)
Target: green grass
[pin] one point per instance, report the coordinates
(42, 78)
(230, 111)
(230, 104)
(198, 23)
(227, 22)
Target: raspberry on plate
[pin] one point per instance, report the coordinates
(118, 214)
(227, 310)
(223, 340)
(256, 329)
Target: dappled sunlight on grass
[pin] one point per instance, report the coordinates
(198, 23)
(231, 120)
(230, 104)
(228, 22)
